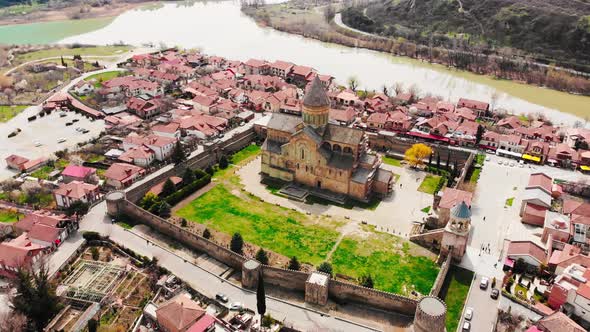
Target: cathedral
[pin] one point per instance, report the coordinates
(309, 151)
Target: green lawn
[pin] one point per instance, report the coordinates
(388, 260)
(429, 184)
(43, 172)
(102, 77)
(9, 216)
(509, 201)
(475, 175)
(83, 51)
(245, 153)
(9, 112)
(392, 161)
(272, 227)
(426, 209)
(454, 293)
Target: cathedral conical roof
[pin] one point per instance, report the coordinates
(316, 95)
(461, 211)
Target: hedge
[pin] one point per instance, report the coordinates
(188, 189)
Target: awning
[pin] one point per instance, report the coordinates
(508, 153)
(529, 157)
(585, 168)
(509, 262)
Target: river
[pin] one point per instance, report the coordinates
(220, 28)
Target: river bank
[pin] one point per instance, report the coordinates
(299, 17)
(75, 11)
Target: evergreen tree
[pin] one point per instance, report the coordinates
(164, 210)
(294, 264)
(178, 154)
(448, 161)
(262, 256)
(78, 208)
(237, 243)
(438, 161)
(367, 281)
(326, 268)
(223, 162)
(479, 134)
(35, 297)
(63, 63)
(260, 295)
(148, 201)
(92, 325)
(209, 170)
(188, 177)
(168, 189)
(183, 222)
(207, 233)
(430, 160)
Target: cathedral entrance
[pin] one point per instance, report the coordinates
(320, 184)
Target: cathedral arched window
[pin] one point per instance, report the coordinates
(336, 148)
(347, 149)
(302, 153)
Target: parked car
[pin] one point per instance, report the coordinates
(484, 283)
(236, 306)
(221, 297)
(37, 143)
(468, 313)
(512, 164)
(466, 326)
(500, 162)
(495, 293)
(61, 140)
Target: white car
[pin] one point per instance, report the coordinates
(512, 164)
(484, 283)
(487, 158)
(468, 313)
(466, 326)
(61, 140)
(236, 306)
(37, 143)
(500, 162)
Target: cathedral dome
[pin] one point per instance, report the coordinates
(316, 105)
(461, 211)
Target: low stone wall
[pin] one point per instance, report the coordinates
(209, 157)
(465, 170)
(346, 292)
(440, 278)
(288, 279)
(430, 239)
(184, 236)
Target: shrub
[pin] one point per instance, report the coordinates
(206, 233)
(183, 222)
(367, 281)
(326, 268)
(294, 264)
(223, 162)
(94, 252)
(188, 189)
(237, 243)
(91, 236)
(262, 256)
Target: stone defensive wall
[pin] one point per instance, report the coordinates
(209, 157)
(339, 291)
(440, 278)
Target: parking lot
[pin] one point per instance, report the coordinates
(484, 307)
(39, 138)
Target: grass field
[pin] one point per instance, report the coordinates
(102, 77)
(9, 112)
(43, 172)
(389, 262)
(9, 216)
(509, 201)
(245, 153)
(392, 161)
(276, 228)
(454, 293)
(83, 51)
(429, 184)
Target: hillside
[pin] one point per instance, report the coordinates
(548, 29)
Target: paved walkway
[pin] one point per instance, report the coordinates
(395, 214)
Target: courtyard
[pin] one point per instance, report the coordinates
(287, 229)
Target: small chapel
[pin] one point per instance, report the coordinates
(308, 150)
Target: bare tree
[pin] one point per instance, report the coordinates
(12, 321)
(353, 83)
(398, 87)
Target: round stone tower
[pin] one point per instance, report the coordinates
(431, 314)
(316, 105)
(115, 201)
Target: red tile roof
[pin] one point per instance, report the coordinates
(540, 180)
(17, 251)
(527, 248)
(559, 322)
(44, 233)
(179, 313)
(157, 189)
(75, 189)
(120, 171)
(451, 197)
(76, 171)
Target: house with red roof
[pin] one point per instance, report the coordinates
(202, 125)
(556, 322)
(530, 252)
(45, 228)
(509, 124)
(162, 146)
(404, 98)
(16, 162)
(140, 155)
(20, 252)
(568, 255)
(145, 108)
(570, 292)
(256, 67)
(343, 117)
(203, 103)
(479, 107)
(448, 199)
(171, 129)
(563, 155)
(121, 175)
(290, 106)
(301, 75)
(347, 98)
(178, 314)
(536, 151)
(281, 68)
(394, 121)
(557, 227)
(78, 173)
(75, 191)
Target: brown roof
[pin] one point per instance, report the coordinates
(540, 180)
(559, 322)
(451, 197)
(75, 189)
(527, 248)
(179, 313)
(120, 171)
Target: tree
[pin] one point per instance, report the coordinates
(188, 176)
(92, 325)
(207, 233)
(149, 201)
(35, 297)
(353, 83)
(519, 266)
(164, 210)
(209, 170)
(367, 281)
(169, 188)
(178, 154)
(183, 222)
(430, 160)
(479, 134)
(416, 153)
(78, 208)
(260, 295)
(95, 254)
(326, 268)
(329, 13)
(449, 161)
(262, 256)
(438, 161)
(13, 322)
(223, 162)
(294, 264)
(237, 243)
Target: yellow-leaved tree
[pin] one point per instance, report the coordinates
(416, 154)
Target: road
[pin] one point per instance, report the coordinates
(496, 184)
